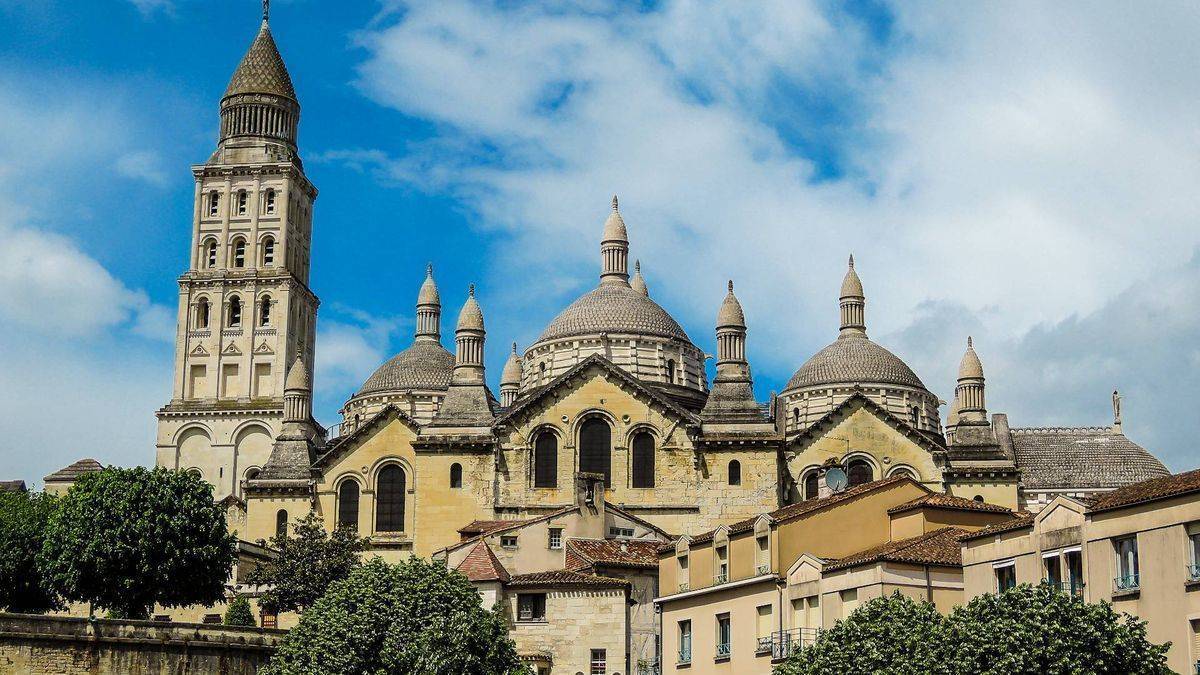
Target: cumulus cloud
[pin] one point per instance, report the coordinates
(1007, 166)
(351, 344)
(148, 7)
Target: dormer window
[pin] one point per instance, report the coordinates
(269, 202)
(214, 203)
(242, 200)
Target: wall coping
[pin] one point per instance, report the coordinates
(123, 631)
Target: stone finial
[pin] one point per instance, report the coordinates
(851, 261)
(471, 290)
(638, 282)
(731, 285)
(614, 203)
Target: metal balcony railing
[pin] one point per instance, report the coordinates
(785, 642)
(1193, 572)
(1073, 587)
(720, 579)
(763, 646)
(685, 653)
(684, 586)
(1129, 582)
(722, 650)
(763, 569)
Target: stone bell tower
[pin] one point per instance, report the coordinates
(245, 309)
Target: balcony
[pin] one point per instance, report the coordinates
(1193, 573)
(722, 650)
(685, 654)
(763, 646)
(784, 643)
(1073, 588)
(762, 569)
(720, 579)
(1126, 584)
(685, 586)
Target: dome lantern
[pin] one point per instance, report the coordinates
(260, 101)
(429, 309)
(969, 393)
(614, 249)
(853, 303)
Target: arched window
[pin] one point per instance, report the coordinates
(671, 371)
(209, 260)
(595, 448)
(735, 472)
(242, 200)
(269, 202)
(252, 473)
(268, 251)
(195, 473)
(239, 252)
(915, 414)
(541, 372)
(904, 471)
(812, 485)
(214, 203)
(264, 311)
(978, 498)
(545, 460)
(643, 460)
(859, 471)
(347, 508)
(389, 499)
(281, 523)
(456, 475)
(235, 312)
(202, 313)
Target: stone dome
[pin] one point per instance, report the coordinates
(512, 368)
(970, 366)
(613, 309)
(424, 365)
(731, 313)
(854, 359)
(471, 316)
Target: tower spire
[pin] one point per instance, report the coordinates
(969, 394)
(614, 249)
(853, 304)
(638, 282)
(732, 396)
(429, 309)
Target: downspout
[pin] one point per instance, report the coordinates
(928, 586)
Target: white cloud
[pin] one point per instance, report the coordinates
(1020, 163)
(144, 165)
(148, 7)
(351, 344)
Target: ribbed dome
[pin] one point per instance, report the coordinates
(613, 309)
(970, 366)
(731, 313)
(854, 359)
(261, 70)
(424, 365)
(512, 368)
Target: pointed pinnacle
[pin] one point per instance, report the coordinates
(614, 202)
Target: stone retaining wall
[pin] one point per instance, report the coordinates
(59, 645)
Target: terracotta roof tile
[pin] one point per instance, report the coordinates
(939, 547)
(482, 565)
(478, 527)
(75, 470)
(1149, 491)
(615, 552)
(945, 501)
(1022, 519)
(564, 578)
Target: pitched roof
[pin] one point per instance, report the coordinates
(932, 442)
(793, 511)
(941, 500)
(478, 527)
(939, 547)
(564, 578)
(513, 525)
(615, 552)
(12, 486)
(1022, 520)
(1093, 457)
(640, 521)
(481, 564)
(1149, 491)
(597, 360)
(74, 471)
(337, 446)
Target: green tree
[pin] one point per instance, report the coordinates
(127, 539)
(895, 635)
(1038, 629)
(306, 564)
(23, 586)
(239, 613)
(413, 617)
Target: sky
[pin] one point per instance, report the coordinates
(1024, 173)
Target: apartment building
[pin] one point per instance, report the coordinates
(1137, 547)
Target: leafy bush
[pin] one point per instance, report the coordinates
(23, 585)
(239, 613)
(306, 565)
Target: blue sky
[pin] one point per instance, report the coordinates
(1025, 173)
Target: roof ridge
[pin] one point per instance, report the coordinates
(1062, 429)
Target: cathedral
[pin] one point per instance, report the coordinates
(611, 403)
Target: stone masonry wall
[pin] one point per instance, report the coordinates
(55, 645)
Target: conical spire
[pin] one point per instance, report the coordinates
(969, 394)
(732, 396)
(638, 283)
(614, 249)
(510, 378)
(730, 313)
(853, 303)
(429, 309)
(297, 393)
(471, 316)
(467, 402)
(260, 101)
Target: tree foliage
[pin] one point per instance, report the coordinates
(306, 564)
(23, 586)
(1028, 630)
(413, 617)
(239, 613)
(127, 539)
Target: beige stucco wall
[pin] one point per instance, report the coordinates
(577, 621)
(742, 605)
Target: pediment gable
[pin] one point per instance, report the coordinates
(369, 429)
(859, 403)
(596, 375)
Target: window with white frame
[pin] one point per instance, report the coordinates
(722, 571)
(555, 538)
(1194, 552)
(685, 641)
(724, 634)
(1006, 576)
(1128, 571)
(619, 532)
(599, 662)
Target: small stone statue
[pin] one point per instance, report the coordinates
(1116, 408)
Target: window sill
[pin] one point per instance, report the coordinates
(531, 622)
(1126, 593)
(720, 659)
(1192, 584)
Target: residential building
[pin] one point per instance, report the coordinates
(60, 481)
(1137, 547)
